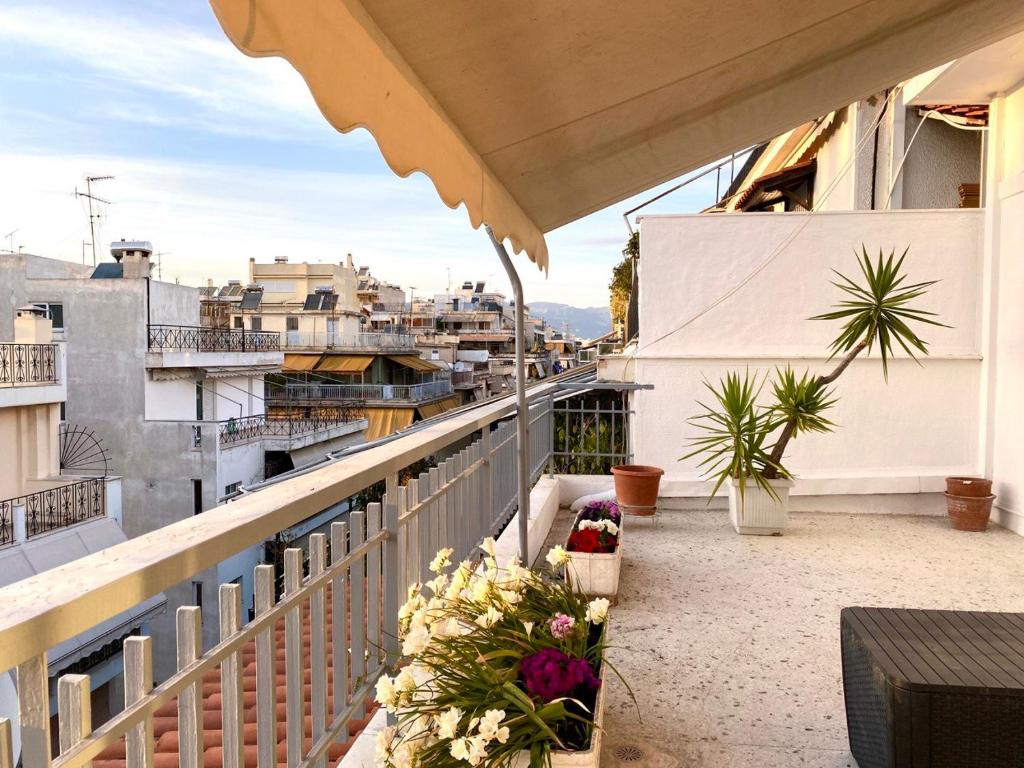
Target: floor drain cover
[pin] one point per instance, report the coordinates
(627, 753)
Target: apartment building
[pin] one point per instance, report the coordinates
(59, 500)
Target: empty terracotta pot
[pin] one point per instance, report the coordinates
(636, 488)
(968, 486)
(969, 513)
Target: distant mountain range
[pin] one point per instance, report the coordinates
(585, 322)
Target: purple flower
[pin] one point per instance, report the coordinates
(550, 674)
(561, 626)
(602, 510)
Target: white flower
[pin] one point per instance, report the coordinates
(386, 695)
(490, 722)
(437, 585)
(479, 589)
(405, 682)
(528, 626)
(488, 546)
(557, 556)
(449, 627)
(448, 722)
(491, 617)
(597, 610)
(385, 737)
(510, 596)
(441, 560)
(459, 749)
(416, 641)
(477, 750)
(611, 527)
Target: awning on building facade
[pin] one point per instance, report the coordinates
(540, 112)
(441, 406)
(296, 363)
(382, 422)
(416, 363)
(344, 363)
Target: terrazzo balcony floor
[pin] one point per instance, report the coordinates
(731, 643)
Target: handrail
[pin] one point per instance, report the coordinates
(252, 427)
(202, 339)
(51, 509)
(22, 363)
(86, 592)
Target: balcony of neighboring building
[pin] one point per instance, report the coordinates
(47, 505)
(31, 366)
(292, 429)
(382, 341)
(188, 346)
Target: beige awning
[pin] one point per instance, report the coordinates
(427, 410)
(382, 422)
(293, 363)
(344, 363)
(415, 363)
(537, 112)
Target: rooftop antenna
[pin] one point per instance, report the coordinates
(84, 243)
(160, 263)
(93, 216)
(10, 240)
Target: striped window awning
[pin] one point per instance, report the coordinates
(344, 363)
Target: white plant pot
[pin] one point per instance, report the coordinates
(597, 574)
(584, 758)
(757, 512)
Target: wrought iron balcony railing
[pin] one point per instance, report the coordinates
(27, 364)
(324, 340)
(256, 427)
(193, 337)
(361, 392)
(54, 508)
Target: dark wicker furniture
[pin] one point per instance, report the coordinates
(942, 689)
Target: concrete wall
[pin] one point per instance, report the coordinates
(940, 159)
(1003, 419)
(29, 435)
(895, 438)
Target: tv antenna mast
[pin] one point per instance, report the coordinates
(160, 263)
(10, 239)
(93, 217)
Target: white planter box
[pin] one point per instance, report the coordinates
(587, 758)
(597, 575)
(757, 512)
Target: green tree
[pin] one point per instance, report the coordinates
(622, 281)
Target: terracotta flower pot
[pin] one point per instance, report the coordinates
(968, 486)
(636, 488)
(969, 513)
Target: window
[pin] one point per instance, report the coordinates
(232, 488)
(197, 436)
(53, 311)
(197, 596)
(197, 496)
(291, 323)
(257, 324)
(199, 401)
(236, 322)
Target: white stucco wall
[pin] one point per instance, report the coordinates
(900, 437)
(1003, 452)
(173, 400)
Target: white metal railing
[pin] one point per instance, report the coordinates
(324, 340)
(413, 392)
(349, 599)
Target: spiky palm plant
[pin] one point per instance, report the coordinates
(876, 313)
(735, 430)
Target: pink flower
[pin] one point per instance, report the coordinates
(561, 626)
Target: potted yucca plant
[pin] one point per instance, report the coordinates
(742, 442)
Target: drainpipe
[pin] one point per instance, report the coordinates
(522, 409)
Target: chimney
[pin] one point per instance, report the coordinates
(348, 261)
(133, 256)
(32, 326)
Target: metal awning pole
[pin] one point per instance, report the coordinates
(522, 409)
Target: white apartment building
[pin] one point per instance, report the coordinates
(935, 164)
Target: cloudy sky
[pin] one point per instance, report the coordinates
(219, 157)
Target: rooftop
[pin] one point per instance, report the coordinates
(732, 642)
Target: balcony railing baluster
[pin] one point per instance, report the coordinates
(53, 508)
(188, 337)
(28, 364)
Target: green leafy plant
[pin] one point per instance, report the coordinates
(735, 430)
(877, 312)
